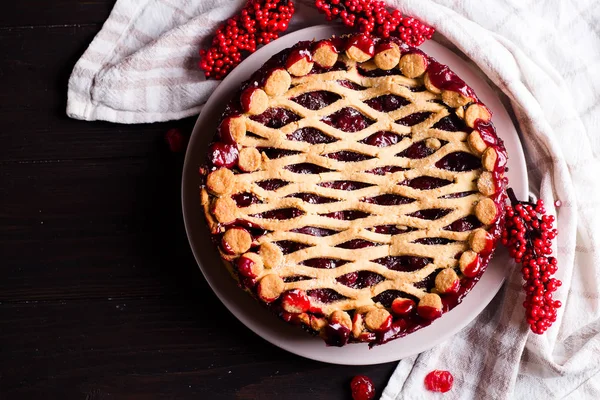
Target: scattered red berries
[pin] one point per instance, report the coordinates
(439, 381)
(373, 17)
(176, 141)
(259, 22)
(528, 235)
(362, 388)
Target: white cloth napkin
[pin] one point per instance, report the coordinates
(544, 56)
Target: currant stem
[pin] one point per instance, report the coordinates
(512, 196)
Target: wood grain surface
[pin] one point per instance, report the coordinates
(100, 296)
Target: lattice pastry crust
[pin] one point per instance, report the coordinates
(382, 219)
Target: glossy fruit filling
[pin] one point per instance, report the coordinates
(276, 117)
(414, 119)
(316, 100)
(387, 102)
(417, 151)
(382, 139)
(310, 135)
(351, 85)
(360, 279)
(348, 120)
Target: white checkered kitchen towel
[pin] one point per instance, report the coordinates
(544, 55)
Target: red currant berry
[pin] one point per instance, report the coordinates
(362, 388)
(439, 381)
(176, 141)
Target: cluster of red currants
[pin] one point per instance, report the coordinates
(528, 235)
(259, 22)
(373, 17)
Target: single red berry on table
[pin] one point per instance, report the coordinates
(176, 140)
(439, 381)
(362, 388)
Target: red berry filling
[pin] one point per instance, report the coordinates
(451, 123)
(357, 244)
(351, 85)
(312, 198)
(459, 161)
(362, 42)
(426, 183)
(324, 263)
(325, 295)
(272, 184)
(402, 306)
(307, 168)
(314, 231)
(417, 150)
(288, 246)
(404, 263)
(245, 265)
(386, 298)
(390, 169)
(382, 139)
(428, 283)
(310, 135)
(444, 79)
(464, 224)
(223, 155)
(431, 214)
(336, 334)
(282, 213)
(276, 117)
(389, 200)
(347, 215)
(429, 312)
(360, 279)
(458, 195)
(276, 153)
(316, 100)
(391, 229)
(434, 241)
(297, 55)
(414, 119)
(344, 185)
(348, 120)
(245, 199)
(348, 156)
(387, 102)
(295, 301)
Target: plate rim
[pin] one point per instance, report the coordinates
(293, 343)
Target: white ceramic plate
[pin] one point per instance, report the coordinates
(267, 325)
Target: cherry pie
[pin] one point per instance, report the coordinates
(355, 187)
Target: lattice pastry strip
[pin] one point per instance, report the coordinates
(353, 190)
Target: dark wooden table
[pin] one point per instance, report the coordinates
(100, 296)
